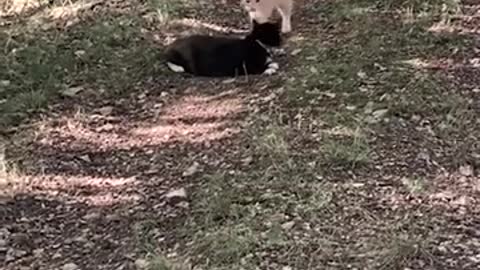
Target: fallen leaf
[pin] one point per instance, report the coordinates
(296, 51)
(380, 113)
(191, 170)
(288, 225)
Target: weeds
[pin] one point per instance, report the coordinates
(348, 152)
(38, 66)
(401, 251)
(227, 246)
(158, 262)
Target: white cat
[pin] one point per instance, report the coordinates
(261, 11)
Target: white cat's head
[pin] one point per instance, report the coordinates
(250, 5)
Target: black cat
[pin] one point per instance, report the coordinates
(211, 56)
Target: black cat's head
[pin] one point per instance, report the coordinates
(267, 33)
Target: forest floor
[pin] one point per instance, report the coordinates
(363, 152)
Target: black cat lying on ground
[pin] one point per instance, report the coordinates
(211, 56)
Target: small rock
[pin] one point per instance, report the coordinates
(329, 94)
(191, 170)
(3, 243)
(368, 109)
(184, 205)
(80, 239)
(247, 161)
(288, 225)
(9, 257)
(141, 263)
(286, 268)
(105, 128)
(70, 266)
(107, 110)
(462, 201)
(269, 97)
(91, 216)
(380, 67)
(362, 75)
(4, 83)
(466, 170)
(85, 158)
(57, 255)
(79, 53)
(38, 252)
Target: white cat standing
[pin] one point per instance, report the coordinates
(261, 11)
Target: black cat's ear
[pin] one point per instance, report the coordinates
(255, 23)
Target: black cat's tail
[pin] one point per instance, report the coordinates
(268, 33)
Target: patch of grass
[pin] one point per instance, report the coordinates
(456, 114)
(225, 248)
(274, 144)
(165, 10)
(348, 152)
(217, 200)
(109, 55)
(158, 262)
(144, 233)
(401, 251)
(11, 177)
(414, 185)
(365, 64)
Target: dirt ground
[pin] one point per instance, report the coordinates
(362, 153)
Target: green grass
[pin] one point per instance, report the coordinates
(225, 248)
(349, 152)
(414, 185)
(166, 10)
(363, 81)
(145, 236)
(400, 250)
(158, 262)
(36, 66)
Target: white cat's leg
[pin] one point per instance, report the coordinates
(285, 10)
(175, 68)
